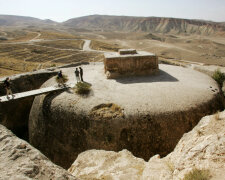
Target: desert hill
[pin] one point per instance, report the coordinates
(145, 24)
(11, 20)
(124, 23)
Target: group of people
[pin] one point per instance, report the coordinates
(78, 75)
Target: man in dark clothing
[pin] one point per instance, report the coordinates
(60, 78)
(81, 74)
(77, 75)
(8, 88)
(60, 74)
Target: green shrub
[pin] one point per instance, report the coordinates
(197, 174)
(219, 77)
(82, 88)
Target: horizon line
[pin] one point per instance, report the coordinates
(113, 15)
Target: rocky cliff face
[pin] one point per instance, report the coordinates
(19, 160)
(145, 24)
(201, 149)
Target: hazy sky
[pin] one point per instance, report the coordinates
(61, 10)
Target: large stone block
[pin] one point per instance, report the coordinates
(130, 63)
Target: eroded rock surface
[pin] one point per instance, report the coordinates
(201, 148)
(19, 160)
(146, 115)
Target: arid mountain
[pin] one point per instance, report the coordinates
(145, 24)
(11, 20)
(124, 24)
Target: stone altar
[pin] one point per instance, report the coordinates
(129, 62)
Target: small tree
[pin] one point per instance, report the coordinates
(219, 77)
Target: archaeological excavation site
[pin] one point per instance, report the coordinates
(135, 123)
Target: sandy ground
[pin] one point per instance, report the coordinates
(173, 89)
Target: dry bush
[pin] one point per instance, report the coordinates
(197, 174)
(82, 88)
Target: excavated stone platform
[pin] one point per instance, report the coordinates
(146, 115)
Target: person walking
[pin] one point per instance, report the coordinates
(60, 78)
(81, 74)
(77, 75)
(8, 88)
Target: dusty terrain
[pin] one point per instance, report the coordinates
(56, 44)
(177, 47)
(28, 51)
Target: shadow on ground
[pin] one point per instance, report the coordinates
(161, 76)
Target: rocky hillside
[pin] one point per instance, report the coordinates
(200, 154)
(145, 24)
(11, 20)
(123, 23)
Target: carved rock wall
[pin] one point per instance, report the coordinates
(130, 65)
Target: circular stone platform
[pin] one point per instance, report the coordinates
(146, 115)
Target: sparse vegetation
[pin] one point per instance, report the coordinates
(82, 88)
(197, 174)
(18, 58)
(219, 77)
(64, 44)
(55, 35)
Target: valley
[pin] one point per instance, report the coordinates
(26, 46)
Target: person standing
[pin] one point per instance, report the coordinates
(77, 75)
(8, 88)
(81, 74)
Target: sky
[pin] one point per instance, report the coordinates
(62, 10)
